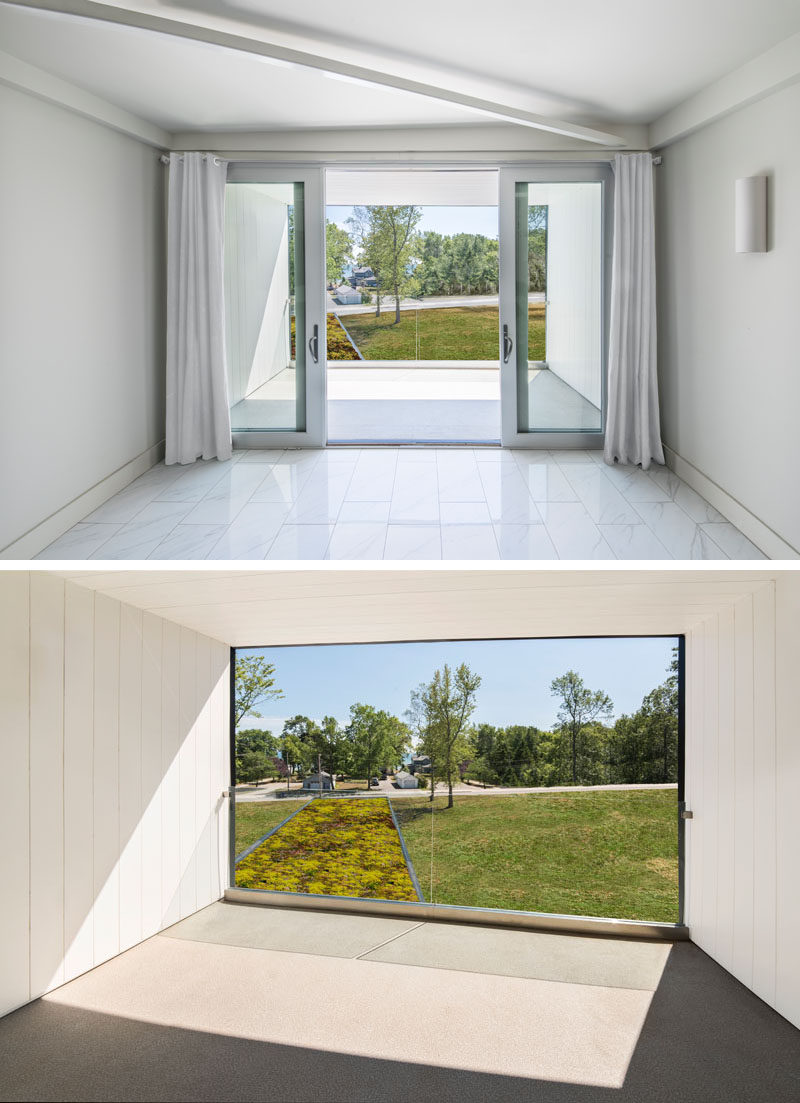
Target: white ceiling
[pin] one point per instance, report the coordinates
(253, 608)
(183, 85)
(619, 61)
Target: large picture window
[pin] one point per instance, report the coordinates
(526, 775)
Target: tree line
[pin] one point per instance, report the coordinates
(582, 748)
(405, 262)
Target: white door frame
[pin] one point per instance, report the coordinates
(534, 173)
(313, 179)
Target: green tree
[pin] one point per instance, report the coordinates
(254, 683)
(254, 741)
(298, 739)
(644, 746)
(580, 708)
(389, 248)
(537, 247)
(442, 709)
(338, 251)
(254, 766)
(328, 743)
(375, 739)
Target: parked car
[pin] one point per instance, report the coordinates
(374, 783)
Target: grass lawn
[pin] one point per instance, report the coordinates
(254, 819)
(609, 854)
(446, 333)
(336, 848)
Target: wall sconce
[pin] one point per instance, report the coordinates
(751, 214)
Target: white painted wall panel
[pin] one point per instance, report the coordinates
(130, 777)
(106, 778)
(743, 777)
(47, 782)
(726, 772)
(170, 788)
(203, 797)
(764, 779)
(88, 688)
(787, 773)
(14, 808)
(152, 636)
(79, 639)
(187, 772)
(743, 829)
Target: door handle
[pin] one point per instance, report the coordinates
(313, 344)
(508, 344)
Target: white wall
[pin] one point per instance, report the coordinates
(114, 755)
(256, 287)
(729, 360)
(742, 776)
(81, 315)
(574, 283)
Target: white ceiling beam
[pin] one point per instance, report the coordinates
(36, 82)
(769, 72)
(251, 44)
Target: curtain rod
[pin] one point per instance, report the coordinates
(164, 159)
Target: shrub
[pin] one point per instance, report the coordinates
(423, 781)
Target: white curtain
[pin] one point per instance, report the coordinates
(198, 417)
(632, 427)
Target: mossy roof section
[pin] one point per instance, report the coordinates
(334, 848)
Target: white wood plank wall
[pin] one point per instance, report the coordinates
(742, 784)
(114, 754)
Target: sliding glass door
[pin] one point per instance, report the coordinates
(555, 244)
(275, 320)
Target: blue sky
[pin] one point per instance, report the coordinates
(327, 679)
(444, 220)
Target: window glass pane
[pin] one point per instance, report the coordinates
(265, 306)
(559, 306)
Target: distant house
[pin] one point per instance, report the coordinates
(363, 277)
(319, 781)
(420, 764)
(347, 295)
(406, 781)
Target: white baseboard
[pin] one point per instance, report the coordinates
(43, 534)
(764, 538)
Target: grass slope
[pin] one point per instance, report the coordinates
(336, 848)
(445, 333)
(605, 853)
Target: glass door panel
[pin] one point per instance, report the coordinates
(553, 254)
(273, 298)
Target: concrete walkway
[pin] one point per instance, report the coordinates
(270, 790)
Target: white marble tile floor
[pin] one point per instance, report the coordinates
(405, 503)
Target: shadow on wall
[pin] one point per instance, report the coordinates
(144, 827)
(706, 1039)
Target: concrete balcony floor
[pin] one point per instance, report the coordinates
(241, 1002)
(420, 401)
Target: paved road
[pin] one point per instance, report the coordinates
(387, 303)
(245, 793)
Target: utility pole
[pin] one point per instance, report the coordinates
(319, 773)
